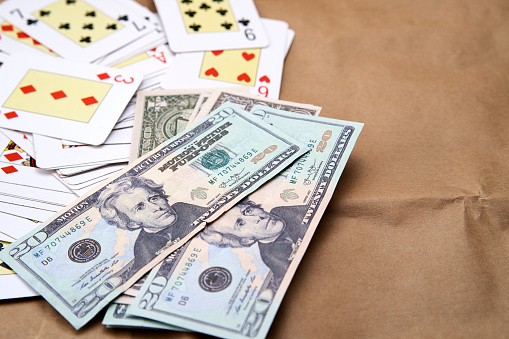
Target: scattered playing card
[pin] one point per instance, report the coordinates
(77, 29)
(51, 154)
(14, 40)
(259, 68)
(63, 99)
(207, 25)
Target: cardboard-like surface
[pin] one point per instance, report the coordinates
(415, 241)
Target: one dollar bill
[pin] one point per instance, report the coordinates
(230, 280)
(162, 114)
(91, 251)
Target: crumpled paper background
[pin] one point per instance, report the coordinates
(415, 240)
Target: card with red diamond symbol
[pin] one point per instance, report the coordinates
(63, 99)
(16, 41)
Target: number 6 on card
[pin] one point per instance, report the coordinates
(206, 25)
(63, 99)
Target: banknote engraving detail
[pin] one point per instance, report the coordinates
(97, 247)
(84, 250)
(259, 241)
(215, 279)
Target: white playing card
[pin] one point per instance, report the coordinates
(31, 177)
(153, 39)
(12, 286)
(117, 136)
(42, 195)
(63, 99)
(260, 69)
(14, 40)
(25, 212)
(30, 203)
(129, 122)
(289, 40)
(15, 226)
(71, 171)
(153, 61)
(50, 154)
(3, 56)
(5, 237)
(81, 30)
(207, 25)
(104, 171)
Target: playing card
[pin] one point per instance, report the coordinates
(156, 60)
(11, 153)
(153, 39)
(124, 123)
(24, 140)
(258, 68)
(15, 226)
(117, 136)
(63, 99)
(207, 25)
(50, 153)
(25, 212)
(5, 237)
(14, 40)
(77, 29)
(289, 40)
(30, 203)
(37, 194)
(71, 171)
(93, 174)
(3, 57)
(11, 285)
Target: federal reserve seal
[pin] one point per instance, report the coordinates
(215, 279)
(215, 159)
(84, 250)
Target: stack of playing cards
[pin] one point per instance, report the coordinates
(70, 71)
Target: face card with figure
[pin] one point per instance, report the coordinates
(260, 69)
(63, 99)
(206, 25)
(77, 29)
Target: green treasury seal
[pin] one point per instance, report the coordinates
(215, 159)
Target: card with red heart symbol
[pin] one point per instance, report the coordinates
(258, 68)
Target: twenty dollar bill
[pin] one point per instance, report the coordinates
(230, 280)
(91, 251)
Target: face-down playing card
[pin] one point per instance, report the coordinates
(63, 99)
(77, 29)
(201, 25)
(259, 68)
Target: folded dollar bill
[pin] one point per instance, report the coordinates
(91, 251)
(162, 114)
(247, 102)
(230, 279)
